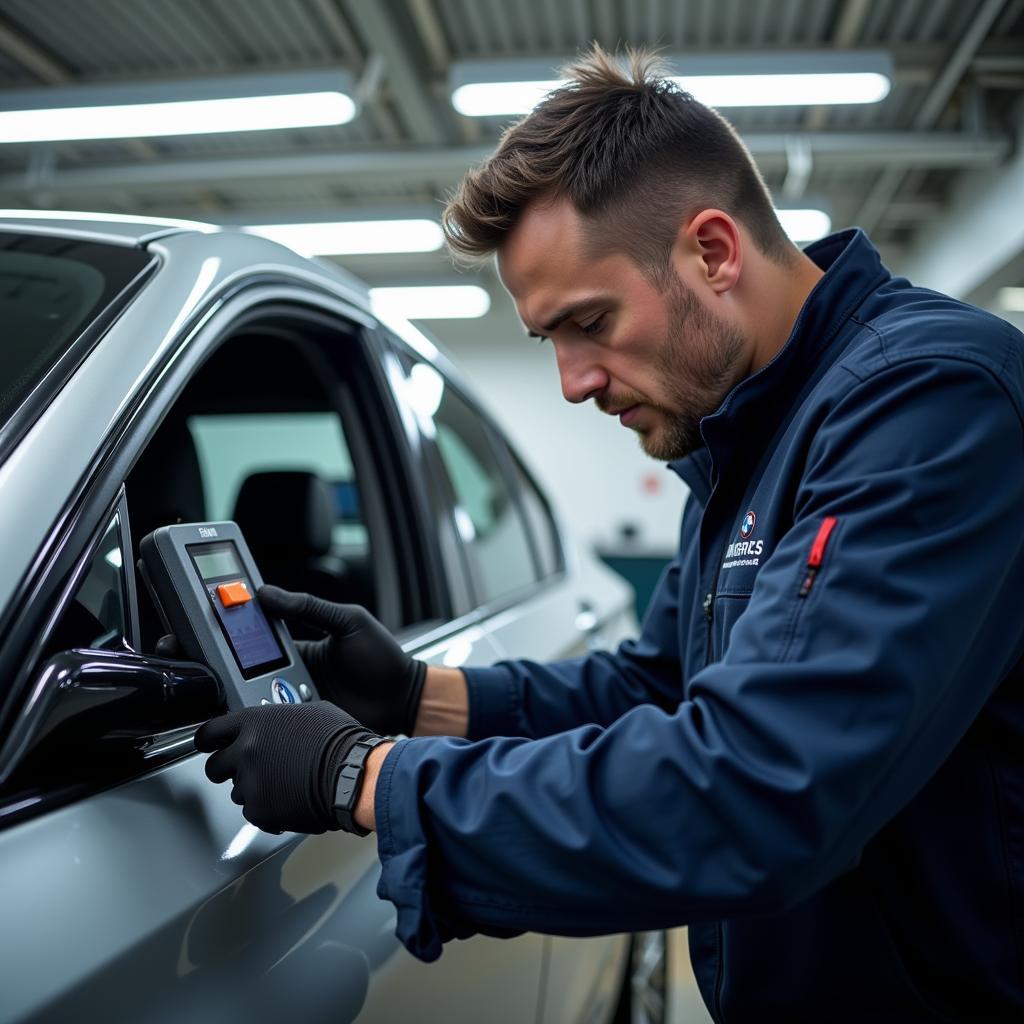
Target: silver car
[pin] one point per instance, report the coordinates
(154, 372)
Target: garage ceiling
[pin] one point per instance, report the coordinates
(892, 167)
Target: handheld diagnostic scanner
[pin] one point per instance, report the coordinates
(204, 581)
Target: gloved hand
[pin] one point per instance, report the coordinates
(284, 759)
(359, 665)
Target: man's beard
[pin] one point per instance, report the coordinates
(700, 365)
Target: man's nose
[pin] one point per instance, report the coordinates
(581, 376)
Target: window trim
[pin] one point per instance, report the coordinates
(516, 465)
(67, 588)
(415, 457)
(131, 595)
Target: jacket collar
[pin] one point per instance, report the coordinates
(751, 412)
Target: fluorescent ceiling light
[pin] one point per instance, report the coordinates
(348, 238)
(1012, 299)
(786, 90)
(804, 225)
(197, 107)
(186, 117)
(496, 99)
(444, 302)
(489, 99)
(489, 88)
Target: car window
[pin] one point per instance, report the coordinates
(96, 616)
(233, 447)
(542, 525)
(281, 431)
(486, 515)
(50, 290)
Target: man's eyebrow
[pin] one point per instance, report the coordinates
(564, 315)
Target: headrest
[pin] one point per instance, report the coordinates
(285, 514)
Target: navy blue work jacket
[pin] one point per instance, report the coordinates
(813, 755)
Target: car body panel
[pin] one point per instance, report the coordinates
(150, 901)
(100, 227)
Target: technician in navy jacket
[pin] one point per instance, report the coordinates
(814, 753)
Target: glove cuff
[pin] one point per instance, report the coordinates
(335, 755)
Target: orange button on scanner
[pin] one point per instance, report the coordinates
(231, 594)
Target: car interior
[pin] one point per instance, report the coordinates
(270, 414)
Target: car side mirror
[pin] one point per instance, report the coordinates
(112, 702)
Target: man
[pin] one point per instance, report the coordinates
(811, 756)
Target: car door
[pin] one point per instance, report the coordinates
(533, 598)
(132, 887)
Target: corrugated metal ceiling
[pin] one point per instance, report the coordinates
(85, 41)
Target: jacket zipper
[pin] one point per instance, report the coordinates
(709, 615)
(817, 554)
(709, 604)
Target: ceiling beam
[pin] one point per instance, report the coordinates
(410, 94)
(32, 56)
(951, 72)
(844, 150)
(849, 24)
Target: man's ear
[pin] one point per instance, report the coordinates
(712, 240)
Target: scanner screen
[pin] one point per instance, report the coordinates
(245, 627)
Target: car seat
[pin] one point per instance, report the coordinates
(287, 518)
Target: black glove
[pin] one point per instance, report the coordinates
(285, 760)
(359, 665)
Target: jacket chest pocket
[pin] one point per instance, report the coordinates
(727, 609)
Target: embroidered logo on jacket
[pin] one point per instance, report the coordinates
(745, 551)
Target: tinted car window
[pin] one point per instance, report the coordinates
(96, 616)
(487, 517)
(273, 436)
(542, 525)
(50, 290)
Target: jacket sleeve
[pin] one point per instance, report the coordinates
(827, 714)
(525, 698)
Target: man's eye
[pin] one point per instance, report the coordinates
(594, 327)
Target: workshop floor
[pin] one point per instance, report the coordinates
(685, 1003)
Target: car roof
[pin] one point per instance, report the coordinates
(123, 229)
(138, 232)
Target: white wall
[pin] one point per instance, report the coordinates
(592, 466)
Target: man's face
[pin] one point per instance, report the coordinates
(658, 358)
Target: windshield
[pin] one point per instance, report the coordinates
(51, 290)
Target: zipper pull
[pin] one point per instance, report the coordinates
(708, 605)
(805, 587)
(817, 555)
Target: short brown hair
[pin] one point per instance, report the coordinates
(634, 154)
